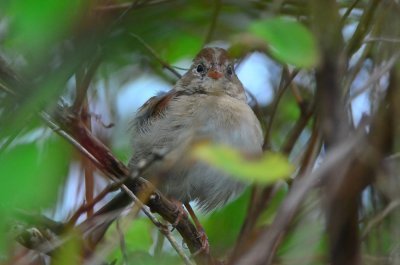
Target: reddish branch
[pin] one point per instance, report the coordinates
(109, 165)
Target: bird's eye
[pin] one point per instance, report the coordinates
(200, 68)
(230, 70)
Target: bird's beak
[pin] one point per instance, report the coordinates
(215, 74)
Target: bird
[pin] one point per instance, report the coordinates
(208, 103)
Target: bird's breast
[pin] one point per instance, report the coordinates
(226, 120)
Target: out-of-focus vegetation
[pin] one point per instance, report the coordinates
(333, 114)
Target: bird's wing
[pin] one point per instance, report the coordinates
(152, 110)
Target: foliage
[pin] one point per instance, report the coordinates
(233, 162)
(288, 41)
(325, 190)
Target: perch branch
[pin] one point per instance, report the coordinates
(73, 128)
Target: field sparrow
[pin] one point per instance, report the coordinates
(207, 103)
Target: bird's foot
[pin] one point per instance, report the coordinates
(205, 246)
(181, 212)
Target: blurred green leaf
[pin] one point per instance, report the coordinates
(144, 258)
(35, 25)
(231, 218)
(182, 45)
(245, 43)
(266, 169)
(137, 238)
(4, 236)
(288, 41)
(31, 175)
(70, 253)
(306, 243)
(289, 110)
(268, 215)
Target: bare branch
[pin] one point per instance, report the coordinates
(263, 249)
(393, 205)
(215, 14)
(156, 56)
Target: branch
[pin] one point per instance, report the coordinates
(362, 28)
(286, 79)
(376, 76)
(380, 217)
(261, 196)
(83, 84)
(125, 6)
(156, 56)
(211, 29)
(264, 247)
(72, 128)
(67, 125)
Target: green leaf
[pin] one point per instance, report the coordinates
(137, 238)
(231, 218)
(35, 25)
(268, 215)
(31, 174)
(70, 252)
(144, 258)
(180, 46)
(306, 241)
(288, 41)
(266, 170)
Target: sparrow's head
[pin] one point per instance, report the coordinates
(213, 72)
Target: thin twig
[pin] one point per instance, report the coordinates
(120, 18)
(71, 129)
(10, 139)
(297, 95)
(382, 39)
(380, 217)
(122, 243)
(105, 249)
(83, 208)
(156, 56)
(82, 84)
(313, 149)
(362, 28)
(53, 125)
(375, 77)
(261, 197)
(144, 164)
(353, 72)
(6, 89)
(284, 84)
(214, 18)
(159, 243)
(124, 6)
(160, 226)
(265, 246)
(348, 11)
(301, 123)
(68, 137)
